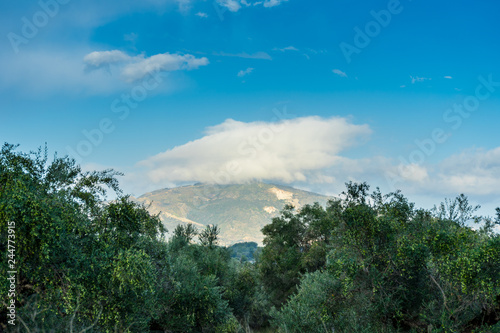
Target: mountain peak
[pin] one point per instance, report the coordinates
(240, 210)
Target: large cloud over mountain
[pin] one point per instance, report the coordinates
(287, 150)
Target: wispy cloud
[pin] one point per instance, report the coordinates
(448, 77)
(415, 79)
(56, 71)
(165, 62)
(236, 5)
(245, 72)
(201, 14)
(232, 5)
(257, 55)
(184, 5)
(288, 48)
(137, 67)
(339, 73)
(131, 37)
(99, 59)
(273, 3)
(472, 172)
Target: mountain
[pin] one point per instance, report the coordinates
(240, 210)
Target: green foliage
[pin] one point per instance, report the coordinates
(208, 237)
(87, 264)
(245, 251)
(390, 268)
(287, 241)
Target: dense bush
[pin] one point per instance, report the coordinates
(393, 268)
(87, 264)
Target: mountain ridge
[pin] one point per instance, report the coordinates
(240, 210)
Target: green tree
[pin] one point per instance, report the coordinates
(208, 237)
(81, 262)
(392, 268)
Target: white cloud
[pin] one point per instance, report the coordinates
(288, 48)
(136, 68)
(165, 62)
(245, 72)
(232, 5)
(272, 3)
(474, 171)
(73, 70)
(236, 5)
(257, 55)
(413, 173)
(448, 77)
(105, 58)
(339, 72)
(201, 14)
(415, 79)
(289, 150)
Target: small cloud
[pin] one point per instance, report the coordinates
(164, 62)
(232, 5)
(458, 89)
(339, 73)
(201, 14)
(236, 5)
(413, 172)
(257, 55)
(288, 48)
(418, 79)
(245, 72)
(273, 3)
(136, 68)
(103, 59)
(402, 86)
(448, 77)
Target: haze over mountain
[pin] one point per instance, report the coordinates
(240, 210)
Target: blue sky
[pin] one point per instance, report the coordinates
(403, 94)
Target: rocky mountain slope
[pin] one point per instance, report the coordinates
(240, 210)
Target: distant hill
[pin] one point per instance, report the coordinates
(240, 210)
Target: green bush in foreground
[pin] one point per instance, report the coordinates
(391, 268)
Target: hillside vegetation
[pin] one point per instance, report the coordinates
(240, 210)
(367, 262)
